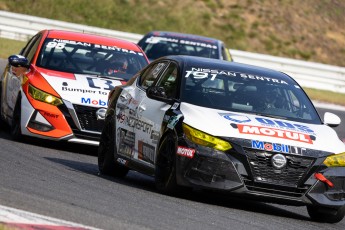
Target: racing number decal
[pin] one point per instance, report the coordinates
(200, 75)
(56, 45)
(109, 84)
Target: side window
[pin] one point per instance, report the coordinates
(169, 81)
(150, 75)
(31, 47)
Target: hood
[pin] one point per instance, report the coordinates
(82, 89)
(260, 128)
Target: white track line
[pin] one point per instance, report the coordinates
(19, 218)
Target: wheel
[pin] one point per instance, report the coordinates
(106, 151)
(165, 171)
(321, 214)
(15, 127)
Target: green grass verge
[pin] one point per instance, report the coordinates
(325, 96)
(9, 47)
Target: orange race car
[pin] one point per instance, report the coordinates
(57, 87)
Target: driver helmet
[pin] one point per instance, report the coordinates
(117, 65)
(271, 96)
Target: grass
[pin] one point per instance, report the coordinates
(325, 96)
(9, 47)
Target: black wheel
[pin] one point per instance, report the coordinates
(15, 129)
(321, 214)
(106, 151)
(165, 171)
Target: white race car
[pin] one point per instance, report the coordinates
(213, 124)
(57, 87)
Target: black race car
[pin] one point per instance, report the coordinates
(213, 124)
(157, 44)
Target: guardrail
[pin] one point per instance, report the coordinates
(308, 74)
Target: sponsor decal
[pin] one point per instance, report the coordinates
(65, 88)
(102, 84)
(97, 102)
(154, 136)
(146, 152)
(185, 152)
(125, 139)
(297, 150)
(283, 125)
(200, 73)
(134, 123)
(61, 43)
(154, 40)
(133, 102)
(173, 121)
(235, 117)
(121, 117)
(278, 133)
(175, 105)
(46, 114)
(274, 147)
(268, 123)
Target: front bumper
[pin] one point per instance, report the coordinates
(249, 172)
(67, 122)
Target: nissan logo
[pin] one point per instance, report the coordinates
(100, 113)
(278, 161)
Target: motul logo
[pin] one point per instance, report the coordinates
(264, 131)
(186, 152)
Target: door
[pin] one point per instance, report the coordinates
(150, 114)
(131, 126)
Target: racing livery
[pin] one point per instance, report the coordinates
(230, 127)
(157, 44)
(63, 93)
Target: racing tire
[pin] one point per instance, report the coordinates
(165, 170)
(15, 127)
(106, 150)
(327, 215)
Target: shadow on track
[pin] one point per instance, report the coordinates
(146, 183)
(57, 145)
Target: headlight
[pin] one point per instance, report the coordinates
(205, 139)
(43, 96)
(336, 160)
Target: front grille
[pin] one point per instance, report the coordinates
(285, 181)
(87, 118)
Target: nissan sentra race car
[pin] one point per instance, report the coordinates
(63, 93)
(157, 44)
(224, 126)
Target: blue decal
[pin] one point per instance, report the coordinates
(275, 147)
(235, 117)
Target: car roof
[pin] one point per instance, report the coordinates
(92, 38)
(216, 64)
(183, 35)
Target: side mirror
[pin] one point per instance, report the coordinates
(331, 119)
(158, 93)
(18, 61)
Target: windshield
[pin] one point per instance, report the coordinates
(241, 92)
(156, 47)
(86, 58)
